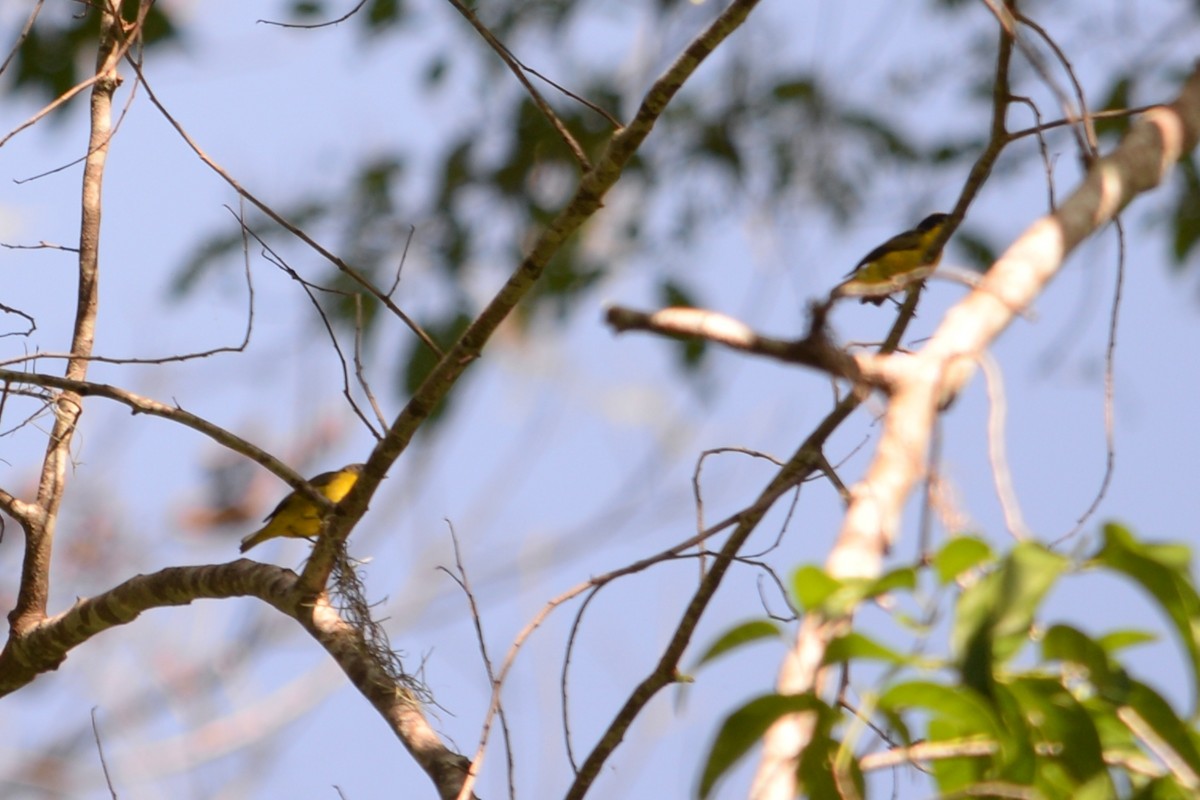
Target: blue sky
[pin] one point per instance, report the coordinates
(571, 451)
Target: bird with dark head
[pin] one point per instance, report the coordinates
(895, 264)
(297, 515)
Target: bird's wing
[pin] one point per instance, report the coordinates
(325, 478)
(277, 508)
(909, 240)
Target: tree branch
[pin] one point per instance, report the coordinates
(46, 644)
(145, 405)
(39, 527)
(814, 350)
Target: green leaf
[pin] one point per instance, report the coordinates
(812, 586)
(1115, 738)
(382, 14)
(801, 88)
(1165, 573)
(745, 726)
(717, 144)
(1118, 98)
(1016, 761)
(1186, 215)
(307, 9)
(1151, 709)
(970, 712)
(1074, 756)
(1115, 641)
(977, 662)
(1164, 789)
(673, 293)
(856, 645)
(881, 135)
(49, 59)
(752, 631)
(816, 589)
(953, 776)
(978, 251)
(1001, 607)
(902, 578)
(825, 766)
(959, 555)
(1064, 643)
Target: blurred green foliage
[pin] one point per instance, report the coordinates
(1040, 709)
(59, 53)
(748, 132)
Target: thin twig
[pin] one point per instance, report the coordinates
(464, 583)
(1043, 148)
(309, 288)
(315, 25)
(23, 35)
(862, 544)
(238, 348)
(42, 245)
(1177, 764)
(926, 381)
(559, 126)
(698, 494)
(1115, 113)
(34, 588)
(144, 405)
(100, 751)
(412, 229)
(1110, 348)
(1085, 117)
(351, 272)
(359, 369)
(1001, 474)
(18, 312)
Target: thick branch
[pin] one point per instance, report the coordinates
(815, 350)
(39, 527)
(46, 644)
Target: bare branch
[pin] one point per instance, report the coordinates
(44, 645)
(1110, 349)
(350, 271)
(459, 576)
(815, 350)
(23, 35)
(308, 287)
(315, 25)
(997, 453)
(145, 405)
(516, 68)
(35, 566)
(100, 752)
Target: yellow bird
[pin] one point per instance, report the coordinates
(895, 264)
(298, 516)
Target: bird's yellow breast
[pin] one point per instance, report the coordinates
(339, 486)
(298, 516)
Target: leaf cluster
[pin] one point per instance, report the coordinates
(1016, 705)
